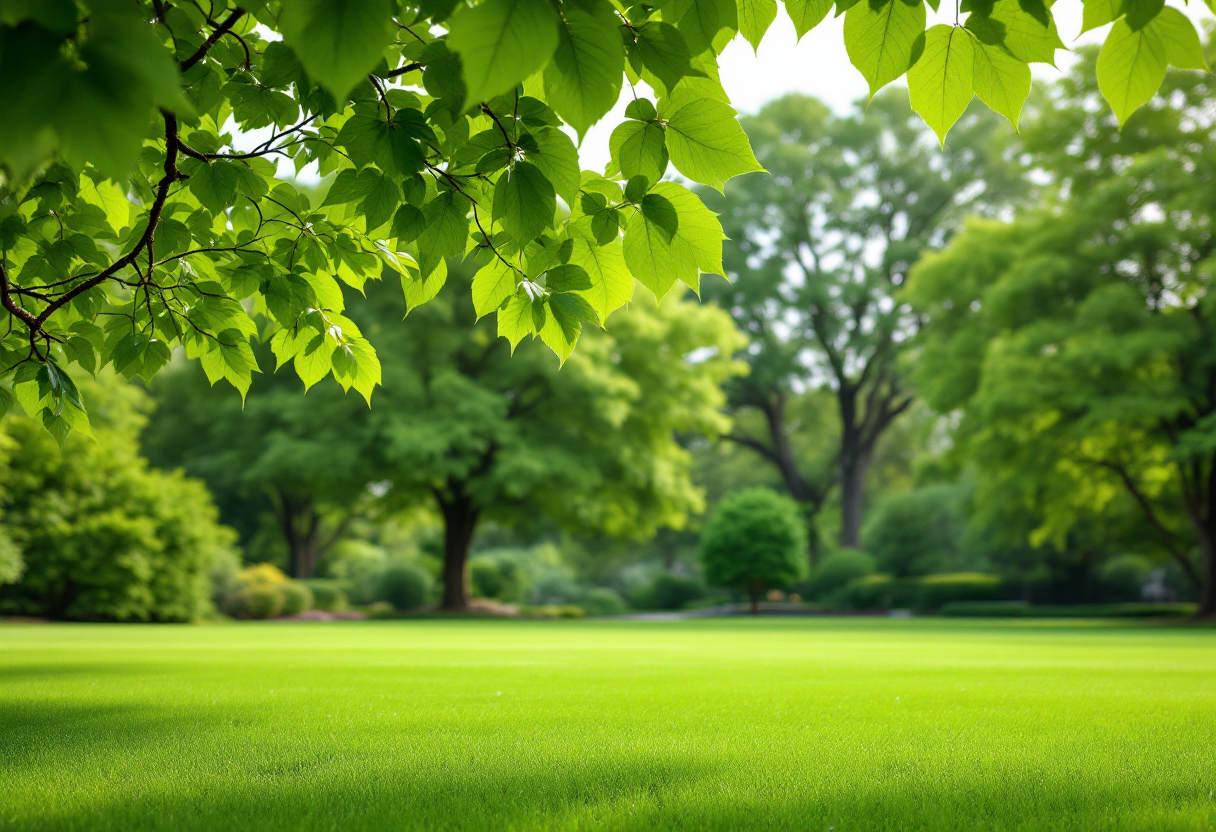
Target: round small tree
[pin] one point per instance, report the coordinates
(754, 540)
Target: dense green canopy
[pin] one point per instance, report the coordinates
(1078, 343)
(465, 425)
(142, 207)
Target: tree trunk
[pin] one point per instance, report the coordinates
(459, 523)
(754, 590)
(853, 465)
(1207, 566)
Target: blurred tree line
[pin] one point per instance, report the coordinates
(980, 375)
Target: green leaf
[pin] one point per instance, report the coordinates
(660, 212)
(381, 201)
(658, 258)
(408, 223)
(447, 230)
(605, 225)
(639, 149)
(662, 50)
(502, 42)
(636, 188)
(569, 277)
(347, 186)
(1131, 67)
(368, 373)
(229, 357)
(524, 202)
(557, 158)
(492, 285)
(882, 38)
(1097, 13)
(338, 41)
(699, 228)
(1030, 31)
(420, 290)
(1182, 46)
(110, 198)
(611, 282)
(515, 320)
(641, 109)
(1001, 80)
(563, 324)
(1138, 13)
(755, 16)
(941, 83)
(704, 137)
(702, 21)
(583, 80)
(214, 185)
(807, 14)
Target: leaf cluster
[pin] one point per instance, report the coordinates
(147, 207)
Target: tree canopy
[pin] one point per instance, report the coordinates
(1078, 343)
(754, 540)
(818, 252)
(141, 209)
(467, 426)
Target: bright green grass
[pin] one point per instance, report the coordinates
(726, 724)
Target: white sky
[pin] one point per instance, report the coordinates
(818, 65)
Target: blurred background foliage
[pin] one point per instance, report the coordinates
(980, 381)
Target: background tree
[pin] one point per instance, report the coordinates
(306, 461)
(1079, 342)
(755, 540)
(819, 250)
(105, 538)
(462, 422)
(591, 446)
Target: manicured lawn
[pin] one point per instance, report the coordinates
(712, 724)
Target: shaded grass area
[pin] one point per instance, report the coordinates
(804, 724)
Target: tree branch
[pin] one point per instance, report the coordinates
(213, 38)
(145, 241)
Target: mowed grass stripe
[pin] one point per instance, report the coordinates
(724, 724)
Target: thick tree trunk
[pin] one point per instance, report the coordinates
(459, 523)
(1207, 567)
(754, 590)
(301, 527)
(853, 465)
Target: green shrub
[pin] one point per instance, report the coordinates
(380, 609)
(755, 540)
(104, 537)
(11, 563)
(871, 592)
(837, 571)
(939, 590)
(918, 532)
(602, 601)
(672, 592)
(552, 611)
(297, 598)
(256, 601)
(327, 596)
(1122, 578)
(499, 578)
(405, 586)
(986, 609)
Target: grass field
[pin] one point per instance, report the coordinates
(809, 724)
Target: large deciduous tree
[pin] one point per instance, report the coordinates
(819, 250)
(488, 435)
(467, 426)
(140, 210)
(1079, 342)
(307, 460)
